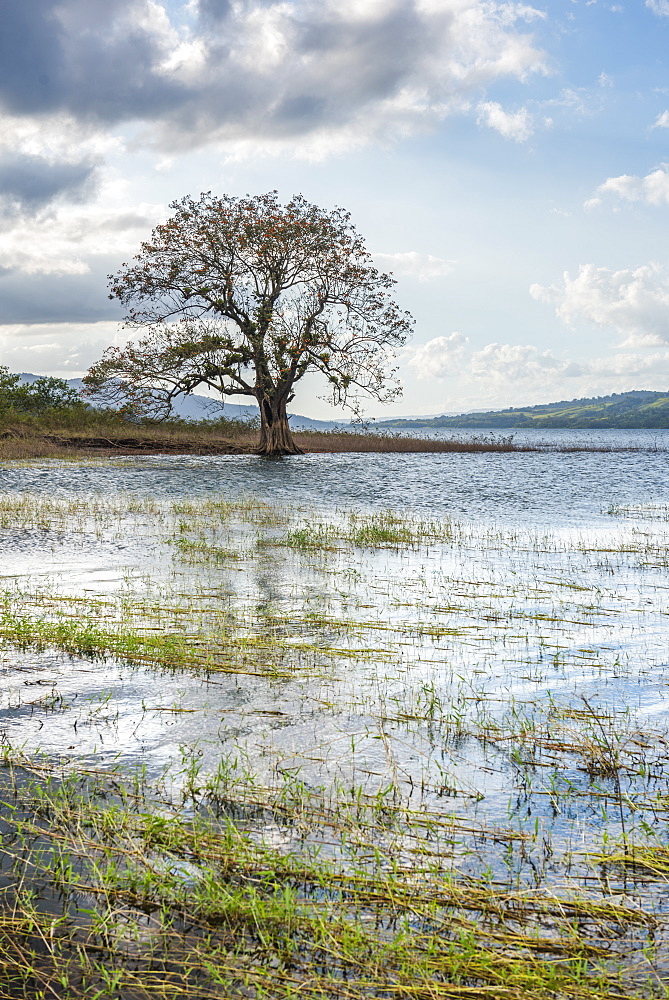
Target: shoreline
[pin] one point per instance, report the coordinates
(28, 443)
(22, 443)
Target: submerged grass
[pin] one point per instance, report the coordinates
(423, 782)
(230, 650)
(385, 529)
(131, 897)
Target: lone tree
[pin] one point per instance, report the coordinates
(245, 296)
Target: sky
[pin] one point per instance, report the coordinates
(508, 163)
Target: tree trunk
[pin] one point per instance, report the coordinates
(275, 435)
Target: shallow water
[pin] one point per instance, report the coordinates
(483, 674)
(560, 437)
(546, 489)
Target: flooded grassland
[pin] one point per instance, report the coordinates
(261, 748)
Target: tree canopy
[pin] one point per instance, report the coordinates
(37, 397)
(244, 296)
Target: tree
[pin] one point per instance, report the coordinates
(245, 296)
(47, 393)
(38, 397)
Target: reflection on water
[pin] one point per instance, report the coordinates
(469, 691)
(504, 657)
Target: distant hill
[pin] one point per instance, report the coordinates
(196, 407)
(636, 409)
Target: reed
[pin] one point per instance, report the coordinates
(85, 432)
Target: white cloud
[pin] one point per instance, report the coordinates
(439, 357)
(66, 350)
(423, 266)
(311, 79)
(662, 120)
(337, 76)
(634, 302)
(264, 70)
(60, 137)
(653, 189)
(65, 239)
(512, 363)
(443, 357)
(659, 7)
(632, 366)
(516, 125)
(500, 375)
(497, 375)
(574, 101)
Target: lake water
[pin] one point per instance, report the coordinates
(497, 667)
(649, 439)
(545, 488)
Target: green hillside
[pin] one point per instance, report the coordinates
(636, 409)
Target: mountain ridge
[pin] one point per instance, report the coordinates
(197, 407)
(636, 409)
